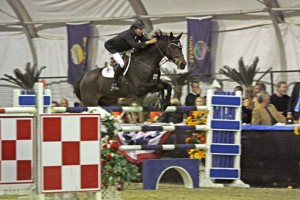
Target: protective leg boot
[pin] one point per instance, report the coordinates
(114, 85)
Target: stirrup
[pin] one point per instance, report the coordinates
(114, 87)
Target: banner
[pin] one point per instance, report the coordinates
(78, 36)
(199, 43)
(142, 138)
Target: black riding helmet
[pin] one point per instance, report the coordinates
(138, 24)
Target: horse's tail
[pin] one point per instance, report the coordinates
(76, 87)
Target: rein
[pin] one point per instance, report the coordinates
(160, 51)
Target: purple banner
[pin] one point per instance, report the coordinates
(199, 43)
(78, 36)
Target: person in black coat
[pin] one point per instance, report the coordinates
(279, 99)
(132, 38)
(294, 103)
(196, 92)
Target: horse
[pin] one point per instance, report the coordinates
(142, 77)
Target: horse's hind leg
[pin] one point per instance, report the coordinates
(168, 87)
(166, 98)
(164, 101)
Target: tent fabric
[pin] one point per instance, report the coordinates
(241, 28)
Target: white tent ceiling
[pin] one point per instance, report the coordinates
(34, 30)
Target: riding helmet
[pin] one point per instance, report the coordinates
(138, 24)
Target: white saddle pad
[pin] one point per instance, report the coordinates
(108, 72)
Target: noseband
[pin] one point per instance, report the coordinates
(169, 54)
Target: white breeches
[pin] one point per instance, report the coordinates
(117, 57)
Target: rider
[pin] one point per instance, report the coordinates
(132, 38)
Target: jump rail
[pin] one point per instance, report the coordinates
(164, 128)
(129, 109)
(162, 147)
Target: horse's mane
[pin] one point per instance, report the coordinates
(157, 34)
(160, 35)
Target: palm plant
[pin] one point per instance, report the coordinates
(27, 79)
(245, 75)
(177, 81)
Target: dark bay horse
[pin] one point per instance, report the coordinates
(143, 75)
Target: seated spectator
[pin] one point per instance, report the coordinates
(64, 102)
(238, 88)
(196, 92)
(174, 117)
(197, 117)
(280, 100)
(294, 103)
(259, 86)
(77, 104)
(200, 101)
(246, 111)
(265, 113)
(54, 104)
(137, 117)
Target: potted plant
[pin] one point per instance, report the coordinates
(27, 79)
(244, 76)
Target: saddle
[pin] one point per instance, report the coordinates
(109, 71)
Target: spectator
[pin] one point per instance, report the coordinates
(137, 117)
(265, 113)
(238, 88)
(246, 111)
(64, 102)
(196, 92)
(121, 102)
(294, 103)
(174, 117)
(54, 104)
(280, 100)
(200, 101)
(77, 104)
(259, 86)
(197, 117)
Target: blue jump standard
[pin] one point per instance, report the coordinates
(153, 168)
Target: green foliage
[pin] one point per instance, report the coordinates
(27, 79)
(116, 170)
(245, 75)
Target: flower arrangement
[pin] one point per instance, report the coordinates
(197, 118)
(197, 138)
(296, 130)
(116, 170)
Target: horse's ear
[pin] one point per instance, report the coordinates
(179, 36)
(159, 33)
(171, 36)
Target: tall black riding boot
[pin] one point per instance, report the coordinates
(118, 72)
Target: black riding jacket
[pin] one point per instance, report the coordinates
(125, 41)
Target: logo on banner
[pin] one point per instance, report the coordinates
(200, 50)
(77, 54)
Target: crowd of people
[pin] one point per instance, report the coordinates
(259, 109)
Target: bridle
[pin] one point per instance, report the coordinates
(169, 54)
(171, 57)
